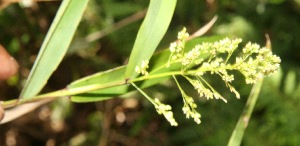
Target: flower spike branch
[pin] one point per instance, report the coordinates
(189, 107)
(254, 62)
(160, 107)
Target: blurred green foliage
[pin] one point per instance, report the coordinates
(275, 120)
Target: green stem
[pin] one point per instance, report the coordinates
(152, 76)
(181, 90)
(141, 91)
(84, 89)
(164, 66)
(207, 84)
(226, 67)
(62, 93)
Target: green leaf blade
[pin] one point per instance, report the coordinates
(152, 30)
(106, 77)
(240, 128)
(54, 46)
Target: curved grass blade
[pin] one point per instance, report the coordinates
(54, 46)
(152, 30)
(239, 130)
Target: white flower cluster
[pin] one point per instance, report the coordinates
(189, 108)
(176, 48)
(226, 45)
(143, 68)
(254, 68)
(203, 91)
(191, 56)
(166, 111)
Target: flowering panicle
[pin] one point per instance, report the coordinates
(254, 63)
(189, 108)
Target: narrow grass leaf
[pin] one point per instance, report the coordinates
(152, 30)
(242, 124)
(55, 45)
